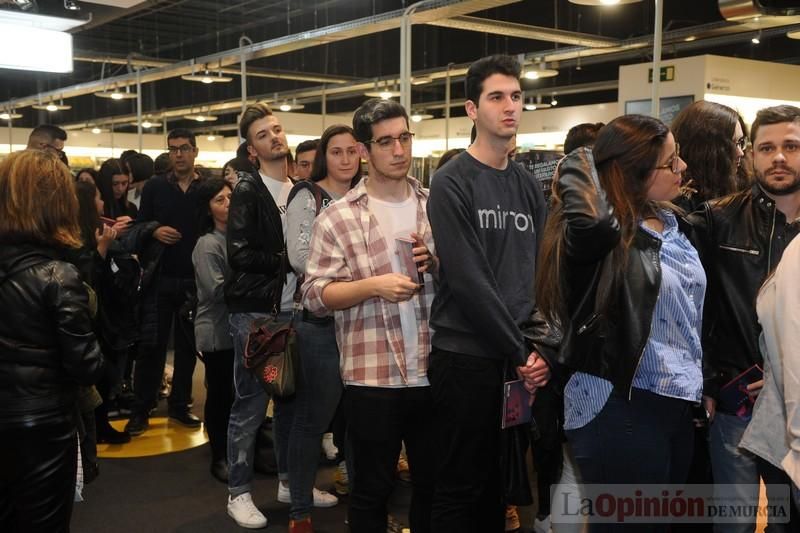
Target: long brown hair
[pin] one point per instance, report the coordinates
(705, 132)
(625, 152)
(37, 200)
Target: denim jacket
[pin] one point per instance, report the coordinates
(774, 431)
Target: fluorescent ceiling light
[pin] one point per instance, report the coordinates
(31, 48)
(201, 117)
(27, 21)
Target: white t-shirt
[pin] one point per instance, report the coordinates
(399, 220)
(280, 193)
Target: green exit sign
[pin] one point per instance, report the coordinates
(667, 74)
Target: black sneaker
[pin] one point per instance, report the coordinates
(109, 435)
(137, 424)
(185, 418)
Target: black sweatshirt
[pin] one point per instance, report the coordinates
(487, 224)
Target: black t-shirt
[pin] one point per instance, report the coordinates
(487, 224)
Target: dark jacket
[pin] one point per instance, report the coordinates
(604, 340)
(740, 238)
(47, 346)
(256, 249)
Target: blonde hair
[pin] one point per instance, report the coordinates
(37, 200)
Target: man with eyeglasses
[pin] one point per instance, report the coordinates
(49, 138)
(487, 215)
(169, 200)
(304, 158)
(381, 306)
(741, 238)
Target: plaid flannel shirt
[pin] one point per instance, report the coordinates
(347, 245)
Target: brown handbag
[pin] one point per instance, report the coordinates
(271, 354)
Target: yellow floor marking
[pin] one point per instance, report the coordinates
(164, 436)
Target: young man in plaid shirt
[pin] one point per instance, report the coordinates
(354, 270)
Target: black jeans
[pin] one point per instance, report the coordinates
(467, 397)
(172, 295)
(38, 466)
(219, 398)
(379, 420)
(648, 439)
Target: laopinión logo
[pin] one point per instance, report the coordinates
(667, 504)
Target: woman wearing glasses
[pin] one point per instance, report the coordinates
(627, 288)
(713, 143)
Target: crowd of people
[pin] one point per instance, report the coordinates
(662, 270)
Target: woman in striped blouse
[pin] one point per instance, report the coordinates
(627, 288)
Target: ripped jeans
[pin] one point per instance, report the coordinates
(248, 411)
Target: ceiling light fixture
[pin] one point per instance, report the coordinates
(540, 71)
(52, 106)
(200, 117)
(9, 115)
(421, 80)
(420, 116)
(207, 77)
(96, 130)
(553, 101)
(116, 94)
(211, 138)
(384, 93)
(793, 34)
(294, 106)
(757, 38)
(70, 5)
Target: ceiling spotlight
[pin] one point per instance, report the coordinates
(52, 106)
(690, 39)
(207, 78)
(530, 106)
(5, 115)
(553, 101)
(70, 5)
(384, 93)
(147, 123)
(540, 71)
(96, 130)
(116, 94)
(293, 106)
(757, 38)
(201, 117)
(211, 138)
(420, 116)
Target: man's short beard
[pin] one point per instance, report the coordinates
(785, 189)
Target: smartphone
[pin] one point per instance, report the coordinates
(108, 221)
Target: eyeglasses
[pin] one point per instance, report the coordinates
(184, 149)
(675, 163)
(741, 142)
(387, 143)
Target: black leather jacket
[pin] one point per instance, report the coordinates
(47, 346)
(256, 249)
(604, 341)
(741, 238)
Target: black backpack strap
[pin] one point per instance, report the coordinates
(318, 192)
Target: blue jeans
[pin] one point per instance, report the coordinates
(319, 389)
(248, 411)
(733, 466)
(655, 430)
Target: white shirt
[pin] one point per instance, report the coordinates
(398, 220)
(280, 193)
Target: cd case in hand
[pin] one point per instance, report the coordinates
(733, 396)
(516, 405)
(408, 266)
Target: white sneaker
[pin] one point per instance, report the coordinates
(328, 447)
(245, 513)
(321, 498)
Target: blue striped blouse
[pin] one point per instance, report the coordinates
(672, 361)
